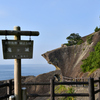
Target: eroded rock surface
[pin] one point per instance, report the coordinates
(69, 58)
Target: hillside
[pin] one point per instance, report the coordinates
(68, 59)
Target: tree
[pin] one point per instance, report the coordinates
(73, 39)
(96, 29)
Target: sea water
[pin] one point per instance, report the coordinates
(7, 71)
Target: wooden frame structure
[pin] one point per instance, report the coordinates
(17, 62)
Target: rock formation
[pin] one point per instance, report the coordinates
(69, 58)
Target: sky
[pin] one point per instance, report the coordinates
(54, 19)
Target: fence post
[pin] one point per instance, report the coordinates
(63, 78)
(83, 81)
(52, 89)
(24, 95)
(91, 89)
(99, 88)
(12, 97)
(9, 88)
(76, 81)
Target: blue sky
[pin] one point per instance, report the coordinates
(54, 19)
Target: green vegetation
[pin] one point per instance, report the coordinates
(83, 49)
(62, 89)
(92, 62)
(96, 29)
(80, 42)
(74, 39)
(89, 38)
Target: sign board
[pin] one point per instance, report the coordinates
(17, 49)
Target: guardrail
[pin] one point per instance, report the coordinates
(70, 79)
(7, 85)
(52, 84)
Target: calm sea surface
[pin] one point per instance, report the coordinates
(7, 71)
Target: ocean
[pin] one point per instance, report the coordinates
(7, 71)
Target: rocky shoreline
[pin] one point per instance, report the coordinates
(32, 79)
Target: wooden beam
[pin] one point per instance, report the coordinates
(24, 33)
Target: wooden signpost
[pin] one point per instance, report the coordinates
(17, 49)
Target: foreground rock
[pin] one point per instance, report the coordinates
(32, 79)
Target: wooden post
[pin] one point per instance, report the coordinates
(76, 81)
(52, 89)
(99, 88)
(24, 95)
(9, 88)
(12, 97)
(91, 89)
(63, 78)
(17, 71)
(83, 80)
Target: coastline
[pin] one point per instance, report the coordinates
(45, 77)
(7, 71)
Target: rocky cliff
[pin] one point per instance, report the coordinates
(69, 58)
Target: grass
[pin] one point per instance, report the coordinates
(94, 69)
(62, 89)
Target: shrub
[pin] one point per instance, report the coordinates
(89, 38)
(80, 42)
(73, 39)
(70, 90)
(63, 89)
(96, 29)
(92, 62)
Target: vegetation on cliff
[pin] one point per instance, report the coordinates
(96, 29)
(92, 62)
(89, 38)
(74, 39)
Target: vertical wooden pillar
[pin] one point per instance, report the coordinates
(52, 89)
(9, 88)
(17, 71)
(99, 88)
(91, 89)
(76, 81)
(83, 80)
